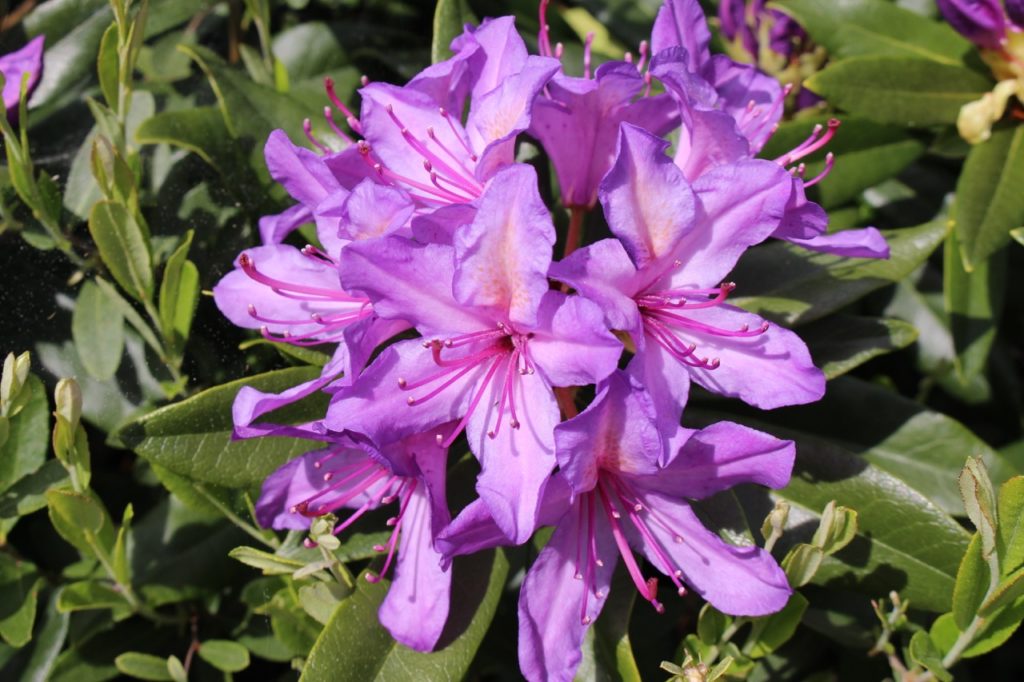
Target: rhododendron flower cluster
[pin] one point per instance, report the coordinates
(453, 319)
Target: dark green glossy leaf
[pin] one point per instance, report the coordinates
(309, 50)
(795, 286)
(124, 246)
(989, 202)
(904, 542)
(354, 646)
(992, 634)
(200, 130)
(27, 495)
(97, 327)
(81, 519)
(901, 90)
(839, 343)
(847, 28)
(193, 437)
(776, 629)
(179, 295)
(974, 303)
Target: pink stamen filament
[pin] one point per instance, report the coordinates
(830, 162)
(350, 118)
(374, 500)
(816, 141)
(646, 588)
(455, 131)
(408, 489)
(473, 405)
(377, 473)
(441, 196)
(466, 181)
(543, 37)
(633, 508)
(672, 319)
(588, 41)
(307, 127)
(329, 115)
(664, 338)
(248, 265)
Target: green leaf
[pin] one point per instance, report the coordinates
(449, 18)
(28, 494)
(900, 90)
(866, 153)
(320, 599)
(923, 652)
(354, 646)
(776, 629)
(179, 295)
(49, 640)
(270, 564)
(974, 303)
(19, 591)
(840, 343)
(192, 438)
(711, 624)
(989, 202)
(903, 540)
(1010, 540)
(794, 286)
(309, 50)
(972, 581)
(176, 670)
(143, 666)
(848, 28)
(993, 633)
(200, 130)
(90, 594)
(224, 655)
(1009, 590)
(81, 519)
(97, 327)
(107, 66)
(124, 247)
(28, 438)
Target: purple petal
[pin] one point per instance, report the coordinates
(298, 480)
(571, 345)
(29, 59)
(516, 462)
(551, 600)
(503, 255)
(372, 210)
(647, 201)
(603, 273)
(741, 581)
(416, 607)
(252, 304)
(980, 21)
(302, 172)
(769, 370)
(411, 281)
(864, 243)
(753, 99)
(438, 227)
(275, 228)
(743, 204)
(681, 23)
(721, 456)
(1015, 11)
(616, 432)
(668, 384)
(376, 405)
(498, 117)
(474, 529)
(504, 49)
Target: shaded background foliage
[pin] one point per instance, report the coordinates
(924, 354)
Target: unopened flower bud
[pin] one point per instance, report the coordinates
(68, 396)
(15, 374)
(775, 523)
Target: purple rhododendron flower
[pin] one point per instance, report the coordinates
(661, 280)
(983, 22)
(14, 65)
(577, 119)
(609, 499)
(351, 474)
(498, 341)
